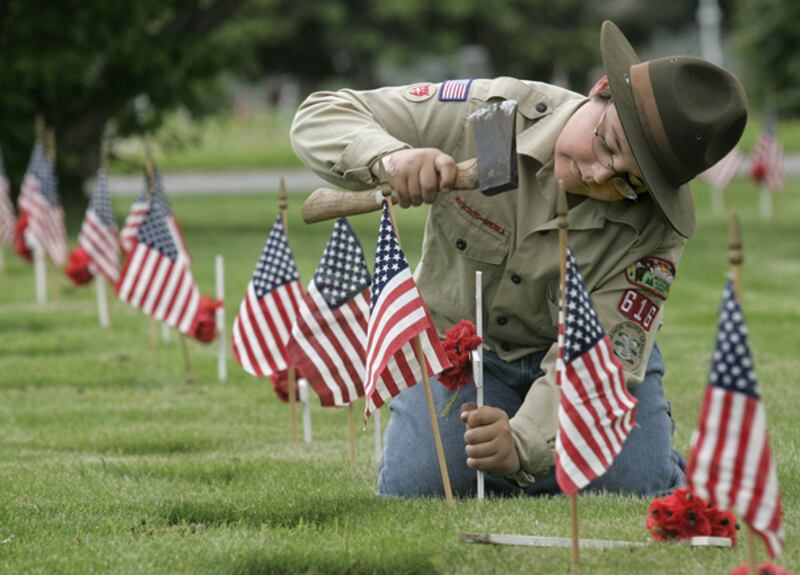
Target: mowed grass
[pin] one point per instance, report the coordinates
(111, 463)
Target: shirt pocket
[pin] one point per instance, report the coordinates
(472, 230)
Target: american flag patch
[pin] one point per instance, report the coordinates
(454, 90)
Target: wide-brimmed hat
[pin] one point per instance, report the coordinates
(681, 115)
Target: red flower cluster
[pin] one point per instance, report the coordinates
(78, 267)
(682, 515)
(763, 569)
(204, 325)
(758, 172)
(459, 340)
(20, 246)
(280, 384)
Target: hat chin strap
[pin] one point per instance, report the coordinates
(647, 109)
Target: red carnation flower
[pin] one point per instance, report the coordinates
(758, 172)
(723, 523)
(20, 246)
(763, 569)
(280, 385)
(204, 325)
(459, 341)
(682, 515)
(77, 269)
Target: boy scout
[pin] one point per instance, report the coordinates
(625, 155)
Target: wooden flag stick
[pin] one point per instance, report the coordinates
(292, 378)
(562, 211)
(378, 429)
(283, 206)
(437, 437)
(735, 259)
(187, 360)
(222, 360)
(765, 204)
(352, 424)
(102, 301)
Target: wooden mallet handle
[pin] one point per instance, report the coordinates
(329, 203)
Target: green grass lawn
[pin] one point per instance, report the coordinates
(111, 463)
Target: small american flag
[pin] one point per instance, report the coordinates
(7, 220)
(98, 235)
(328, 342)
(596, 412)
(156, 277)
(767, 167)
(719, 175)
(138, 212)
(269, 308)
(39, 197)
(398, 314)
(730, 464)
(454, 90)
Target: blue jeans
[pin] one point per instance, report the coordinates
(647, 464)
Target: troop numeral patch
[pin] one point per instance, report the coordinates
(639, 308)
(652, 274)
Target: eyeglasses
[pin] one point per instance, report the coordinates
(605, 156)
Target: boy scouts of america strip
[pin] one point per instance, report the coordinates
(454, 90)
(652, 274)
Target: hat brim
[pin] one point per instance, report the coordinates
(618, 56)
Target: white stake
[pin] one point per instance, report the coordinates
(766, 203)
(376, 420)
(40, 268)
(302, 386)
(477, 361)
(2, 259)
(102, 300)
(222, 364)
(166, 333)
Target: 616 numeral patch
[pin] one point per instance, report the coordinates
(638, 308)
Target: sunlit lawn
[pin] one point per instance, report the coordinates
(110, 463)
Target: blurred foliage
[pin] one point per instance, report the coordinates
(769, 33)
(94, 65)
(81, 63)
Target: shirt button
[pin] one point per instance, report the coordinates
(505, 346)
(541, 107)
(502, 320)
(516, 279)
(461, 244)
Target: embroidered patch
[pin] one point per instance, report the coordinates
(419, 92)
(638, 307)
(652, 274)
(480, 217)
(454, 90)
(628, 340)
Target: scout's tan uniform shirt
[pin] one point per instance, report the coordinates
(626, 251)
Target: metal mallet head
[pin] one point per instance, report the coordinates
(496, 137)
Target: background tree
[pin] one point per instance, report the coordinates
(769, 33)
(82, 63)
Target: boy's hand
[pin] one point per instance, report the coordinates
(417, 175)
(490, 446)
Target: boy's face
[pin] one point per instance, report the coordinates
(592, 151)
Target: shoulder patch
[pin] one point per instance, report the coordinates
(419, 92)
(454, 90)
(638, 307)
(628, 340)
(652, 274)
